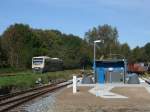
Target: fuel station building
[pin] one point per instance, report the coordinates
(110, 71)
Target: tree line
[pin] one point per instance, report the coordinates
(19, 43)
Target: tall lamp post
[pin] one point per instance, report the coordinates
(96, 41)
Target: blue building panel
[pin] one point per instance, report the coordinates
(101, 75)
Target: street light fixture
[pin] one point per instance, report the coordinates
(96, 41)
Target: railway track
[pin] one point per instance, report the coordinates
(146, 80)
(11, 101)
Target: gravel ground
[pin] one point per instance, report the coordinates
(138, 101)
(46, 103)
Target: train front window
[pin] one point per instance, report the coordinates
(37, 61)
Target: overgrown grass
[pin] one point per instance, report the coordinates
(146, 75)
(24, 80)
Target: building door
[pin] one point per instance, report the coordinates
(100, 75)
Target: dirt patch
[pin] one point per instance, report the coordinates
(83, 101)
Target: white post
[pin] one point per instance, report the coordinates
(74, 84)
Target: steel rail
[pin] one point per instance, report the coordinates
(26, 91)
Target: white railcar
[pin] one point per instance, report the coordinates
(46, 64)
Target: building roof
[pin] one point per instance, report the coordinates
(111, 60)
(110, 63)
(41, 57)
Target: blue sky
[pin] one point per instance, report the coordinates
(131, 17)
